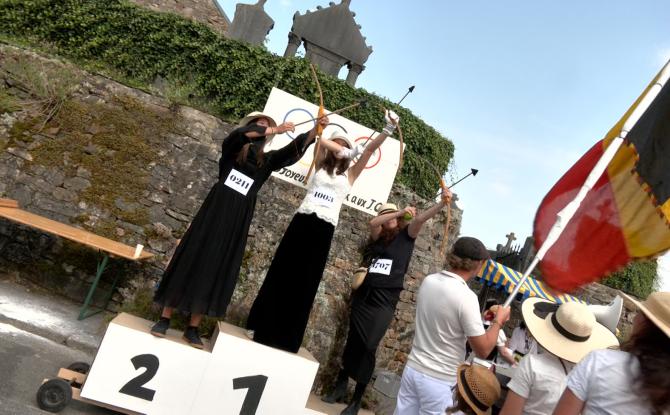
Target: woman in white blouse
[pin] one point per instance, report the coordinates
(632, 380)
(279, 315)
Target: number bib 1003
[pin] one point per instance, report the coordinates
(381, 266)
(239, 182)
(323, 197)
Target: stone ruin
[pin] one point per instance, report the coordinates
(251, 23)
(332, 39)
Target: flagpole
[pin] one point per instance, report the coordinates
(566, 214)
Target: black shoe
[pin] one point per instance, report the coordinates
(352, 409)
(337, 394)
(191, 336)
(160, 328)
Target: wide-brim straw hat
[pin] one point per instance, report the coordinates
(569, 331)
(479, 387)
(387, 208)
(340, 135)
(255, 115)
(656, 308)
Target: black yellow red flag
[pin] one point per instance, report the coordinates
(625, 216)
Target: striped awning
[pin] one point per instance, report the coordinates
(505, 278)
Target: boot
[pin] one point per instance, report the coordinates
(339, 392)
(353, 408)
(355, 404)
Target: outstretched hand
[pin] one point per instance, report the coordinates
(446, 196)
(323, 121)
(392, 120)
(284, 127)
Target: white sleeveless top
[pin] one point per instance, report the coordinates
(325, 195)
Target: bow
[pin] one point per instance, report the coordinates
(319, 128)
(447, 200)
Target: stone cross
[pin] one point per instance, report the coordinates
(510, 238)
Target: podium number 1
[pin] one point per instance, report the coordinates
(256, 386)
(135, 387)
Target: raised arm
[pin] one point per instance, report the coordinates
(392, 120)
(293, 151)
(416, 224)
(377, 222)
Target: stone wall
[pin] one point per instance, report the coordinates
(203, 11)
(55, 172)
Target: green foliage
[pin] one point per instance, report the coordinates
(233, 78)
(638, 278)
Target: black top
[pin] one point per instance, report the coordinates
(390, 262)
(272, 160)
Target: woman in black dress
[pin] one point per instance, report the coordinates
(373, 304)
(203, 272)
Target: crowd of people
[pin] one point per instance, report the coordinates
(569, 363)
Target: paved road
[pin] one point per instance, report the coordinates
(25, 361)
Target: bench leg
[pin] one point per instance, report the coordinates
(84, 311)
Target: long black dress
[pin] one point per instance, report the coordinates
(203, 272)
(373, 305)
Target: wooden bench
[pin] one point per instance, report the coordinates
(9, 209)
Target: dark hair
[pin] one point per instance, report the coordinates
(463, 264)
(651, 346)
(244, 152)
(460, 405)
(327, 161)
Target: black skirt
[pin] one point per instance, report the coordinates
(281, 310)
(202, 274)
(372, 310)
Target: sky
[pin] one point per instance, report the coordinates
(522, 88)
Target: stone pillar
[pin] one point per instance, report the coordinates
(354, 70)
(293, 44)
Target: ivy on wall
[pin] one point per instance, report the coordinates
(637, 278)
(230, 78)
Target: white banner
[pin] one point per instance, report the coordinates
(373, 185)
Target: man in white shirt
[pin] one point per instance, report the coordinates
(447, 315)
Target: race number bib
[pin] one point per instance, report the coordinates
(323, 197)
(381, 266)
(239, 182)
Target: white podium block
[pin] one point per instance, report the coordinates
(136, 371)
(245, 377)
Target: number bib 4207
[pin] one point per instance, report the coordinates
(381, 266)
(239, 182)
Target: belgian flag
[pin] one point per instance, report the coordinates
(625, 216)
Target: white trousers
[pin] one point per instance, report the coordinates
(421, 394)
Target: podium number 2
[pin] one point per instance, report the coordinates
(135, 387)
(256, 386)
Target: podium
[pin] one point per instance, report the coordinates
(136, 372)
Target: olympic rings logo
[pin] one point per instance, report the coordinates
(374, 160)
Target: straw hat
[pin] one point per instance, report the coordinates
(387, 208)
(479, 387)
(657, 309)
(255, 115)
(569, 330)
(340, 135)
